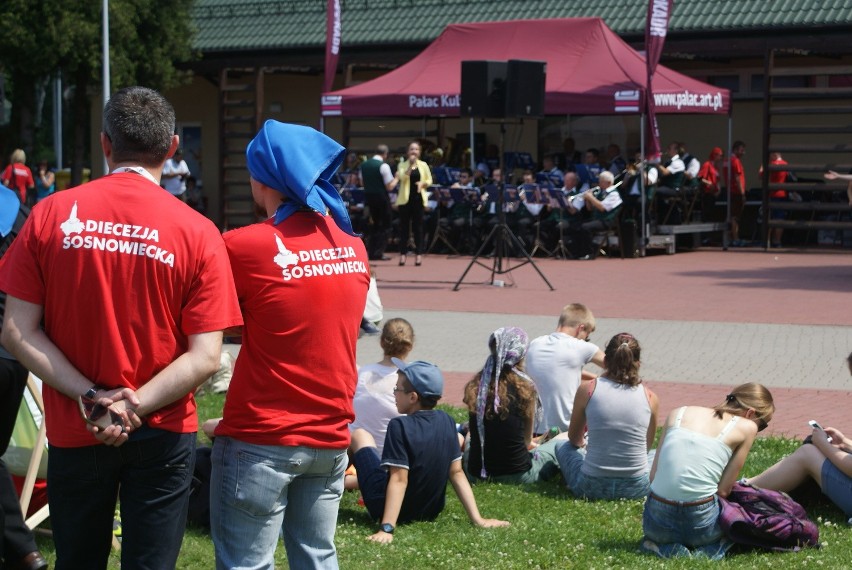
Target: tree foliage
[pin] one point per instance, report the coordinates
(149, 39)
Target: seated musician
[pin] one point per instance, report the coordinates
(550, 172)
(589, 170)
(601, 204)
(631, 190)
(555, 221)
(461, 221)
(354, 199)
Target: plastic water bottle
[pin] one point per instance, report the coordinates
(550, 434)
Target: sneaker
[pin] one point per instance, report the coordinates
(368, 328)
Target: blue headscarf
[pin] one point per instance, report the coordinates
(10, 203)
(298, 161)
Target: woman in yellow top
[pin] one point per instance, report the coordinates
(414, 179)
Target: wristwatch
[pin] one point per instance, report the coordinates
(386, 527)
(92, 392)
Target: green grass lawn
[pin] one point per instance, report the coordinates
(550, 529)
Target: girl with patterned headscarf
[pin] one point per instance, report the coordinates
(503, 406)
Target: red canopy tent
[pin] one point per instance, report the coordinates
(590, 71)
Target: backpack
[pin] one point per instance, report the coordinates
(767, 519)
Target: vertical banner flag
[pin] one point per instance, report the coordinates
(659, 12)
(332, 43)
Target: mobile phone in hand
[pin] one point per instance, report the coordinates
(98, 415)
(814, 424)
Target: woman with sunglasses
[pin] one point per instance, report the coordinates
(699, 458)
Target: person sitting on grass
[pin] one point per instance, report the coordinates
(502, 403)
(698, 460)
(375, 404)
(409, 481)
(620, 415)
(826, 461)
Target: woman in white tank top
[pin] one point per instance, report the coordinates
(619, 414)
(699, 458)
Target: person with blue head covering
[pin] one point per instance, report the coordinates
(302, 277)
(17, 543)
(298, 162)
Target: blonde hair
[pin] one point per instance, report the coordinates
(397, 338)
(576, 314)
(748, 396)
(18, 156)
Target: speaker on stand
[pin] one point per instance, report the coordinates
(501, 90)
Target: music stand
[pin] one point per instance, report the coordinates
(501, 237)
(561, 250)
(442, 196)
(535, 195)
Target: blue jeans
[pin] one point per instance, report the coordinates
(258, 490)
(675, 528)
(151, 478)
(581, 485)
(837, 486)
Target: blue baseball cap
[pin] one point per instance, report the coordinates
(10, 203)
(425, 377)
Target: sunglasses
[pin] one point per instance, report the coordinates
(403, 390)
(98, 415)
(761, 424)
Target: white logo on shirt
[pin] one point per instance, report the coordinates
(284, 258)
(72, 225)
(103, 236)
(313, 261)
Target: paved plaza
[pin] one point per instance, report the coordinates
(706, 320)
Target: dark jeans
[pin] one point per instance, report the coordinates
(17, 539)
(151, 477)
(380, 216)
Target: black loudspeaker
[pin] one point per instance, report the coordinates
(525, 88)
(483, 89)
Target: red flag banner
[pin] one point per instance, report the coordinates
(332, 43)
(659, 12)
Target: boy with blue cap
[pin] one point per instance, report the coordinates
(301, 278)
(421, 454)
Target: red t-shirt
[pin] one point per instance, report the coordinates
(778, 177)
(711, 174)
(125, 273)
(739, 174)
(22, 179)
(302, 286)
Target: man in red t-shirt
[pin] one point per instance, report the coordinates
(119, 293)
(302, 278)
(708, 179)
(778, 195)
(735, 181)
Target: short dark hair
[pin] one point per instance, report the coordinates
(139, 123)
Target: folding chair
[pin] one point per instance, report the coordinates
(27, 453)
(26, 456)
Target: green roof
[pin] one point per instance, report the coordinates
(234, 25)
